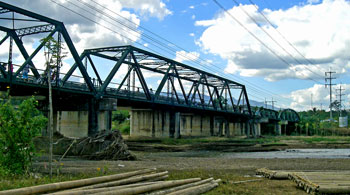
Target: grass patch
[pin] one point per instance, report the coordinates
(12, 182)
(264, 186)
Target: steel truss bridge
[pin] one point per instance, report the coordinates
(179, 86)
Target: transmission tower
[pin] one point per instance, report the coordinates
(340, 94)
(329, 79)
(272, 103)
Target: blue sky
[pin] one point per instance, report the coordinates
(201, 30)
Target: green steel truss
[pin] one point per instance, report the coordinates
(180, 85)
(207, 91)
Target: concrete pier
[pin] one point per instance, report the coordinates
(158, 123)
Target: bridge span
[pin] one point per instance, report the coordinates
(166, 98)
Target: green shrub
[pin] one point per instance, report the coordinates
(18, 125)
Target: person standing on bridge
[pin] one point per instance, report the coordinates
(25, 72)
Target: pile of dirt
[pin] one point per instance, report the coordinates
(106, 145)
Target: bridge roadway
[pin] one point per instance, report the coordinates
(194, 102)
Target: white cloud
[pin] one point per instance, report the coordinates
(191, 34)
(84, 33)
(182, 56)
(153, 8)
(313, 1)
(318, 31)
(193, 17)
(191, 7)
(301, 99)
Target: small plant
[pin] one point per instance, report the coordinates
(18, 126)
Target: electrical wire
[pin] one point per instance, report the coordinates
(100, 24)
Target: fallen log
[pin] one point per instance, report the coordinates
(72, 184)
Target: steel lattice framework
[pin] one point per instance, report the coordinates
(206, 90)
(179, 86)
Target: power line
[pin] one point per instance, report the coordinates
(162, 39)
(274, 40)
(273, 26)
(124, 35)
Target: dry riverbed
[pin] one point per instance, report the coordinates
(210, 158)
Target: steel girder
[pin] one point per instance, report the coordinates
(50, 26)
(289, 115)
(206, 89)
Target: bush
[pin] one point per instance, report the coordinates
(18, 126)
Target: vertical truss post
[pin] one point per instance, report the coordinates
(141, 78)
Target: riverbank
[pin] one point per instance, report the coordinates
(237, 144)
(185, 158)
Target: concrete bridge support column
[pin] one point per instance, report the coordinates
(153, 123)
(227, 128)
(86, 122)
(278, 129)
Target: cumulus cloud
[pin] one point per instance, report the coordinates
(318, 31)
(301, 99)
(112, 15)
(182, 56)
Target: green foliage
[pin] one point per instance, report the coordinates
(18, 125)
(121, 121)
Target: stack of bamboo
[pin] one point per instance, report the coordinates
(270, 174)
(329, 182)
(135, 182)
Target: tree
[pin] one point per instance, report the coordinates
(336, 105)
(18, 126)
(54, 58)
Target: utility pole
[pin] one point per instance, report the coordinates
(339, 94)
(272, 103)
(329, 79)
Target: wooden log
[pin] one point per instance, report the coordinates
(89, 189)
(167, 191)
(197, 189)
(72, 184)
(153, 187)
(159, 178)
(126, 181)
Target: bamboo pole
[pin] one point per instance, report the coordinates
(153, 187)
(197, 189)
(167, 191)
(72, 184)
(86, 189)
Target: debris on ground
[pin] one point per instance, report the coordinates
(136, 182)
(106, 145)
(272, 174)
